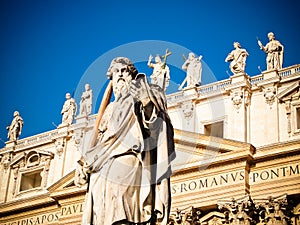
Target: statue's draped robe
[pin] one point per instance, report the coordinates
(161, 75)
(238, 60)
(193, 71)
(130, 163)
(274, 50)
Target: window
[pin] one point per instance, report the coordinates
(214, 129)
(298, 118)
(31, 180)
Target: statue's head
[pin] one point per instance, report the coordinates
(157, 59)
(87, 87)
(236, 45)
(271, 36)
(121, 72)
(192, 55)
(68, 96)
(16, 113)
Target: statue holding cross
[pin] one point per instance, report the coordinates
(161, 72)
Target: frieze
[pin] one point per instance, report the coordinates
(49, 218)
(219, 180)
(258, 176)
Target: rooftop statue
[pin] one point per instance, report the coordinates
(237, 59)
(161, 72)
(274, 50)
(128, 161)
(15, 128)
(85, 105)
(193, 67)
(68, 110)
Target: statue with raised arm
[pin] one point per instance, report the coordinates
(161, 72)
(274, 50)
(86, 100)
(128, 164)
(15, 128)
(68, 110)
(237, 59)
(193, 67)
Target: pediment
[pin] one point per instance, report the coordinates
(290, 93)
(18, 159)
(28, 157)
(65, 182)
(212, 218)
(197, 150)
(199, 143)
(66, 187)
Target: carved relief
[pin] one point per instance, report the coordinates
(185, 217)
(237, 99)
(243, 211)
(237, 212)
(215, 221)
(59, 147)
(78, 135)
(272, 211)
(188, 110)
(269, 95)
(6, 161)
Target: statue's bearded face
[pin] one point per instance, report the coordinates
(121, 79)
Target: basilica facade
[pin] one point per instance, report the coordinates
(238, 152)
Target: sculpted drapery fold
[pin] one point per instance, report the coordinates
(130, 164)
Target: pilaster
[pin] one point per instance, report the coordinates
(240, 93)
(269, 86)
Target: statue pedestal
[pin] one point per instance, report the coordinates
(81, 119)
(270, 74)
(192, 90)
(239, 77)
(10, 144)
(62, 128)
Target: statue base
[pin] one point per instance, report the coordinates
(239, 77)
(10, 144)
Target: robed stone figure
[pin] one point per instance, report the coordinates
(274, 50)
(129, 164)
(15, 128)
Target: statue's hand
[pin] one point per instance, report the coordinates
(139, 91)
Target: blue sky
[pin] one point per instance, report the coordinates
(46, 47)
